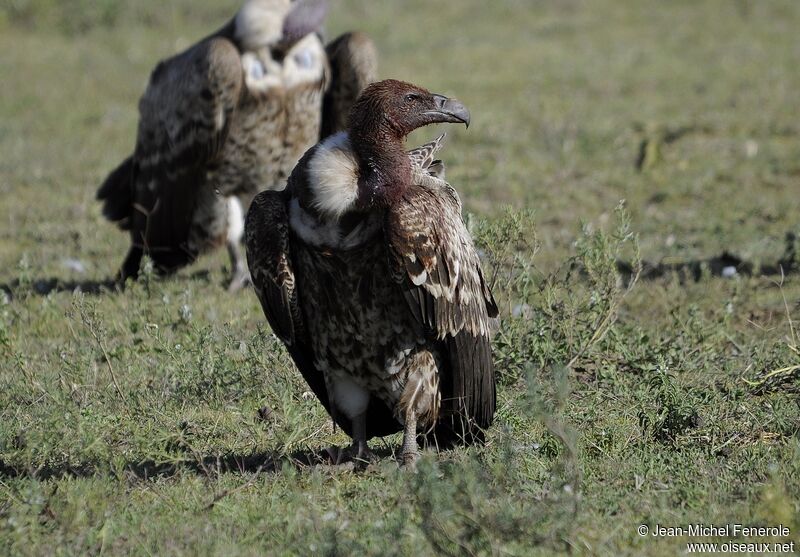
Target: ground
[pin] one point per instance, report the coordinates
(168, 420)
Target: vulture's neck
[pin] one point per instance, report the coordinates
(384, 167)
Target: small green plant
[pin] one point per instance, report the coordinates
(489, 501)
(674, 411)
(562, 317)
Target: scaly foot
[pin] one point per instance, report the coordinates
(408, 460)
(239, 280)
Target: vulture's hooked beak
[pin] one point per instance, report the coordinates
(449, 111)
(305, 17)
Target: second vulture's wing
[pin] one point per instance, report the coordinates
(438, 269)
(354, 65)
(184, 117)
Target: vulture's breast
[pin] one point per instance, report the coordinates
(278, 119)
(357, 319)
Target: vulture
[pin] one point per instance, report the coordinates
(225, 119)
(366, 271)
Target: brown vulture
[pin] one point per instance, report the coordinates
(228, 118)
(366, 271)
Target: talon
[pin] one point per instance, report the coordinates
(333, 453)
(357, 454)
(365, 457)
(341, 456)
(239, 281)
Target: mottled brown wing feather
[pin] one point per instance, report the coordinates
(354, 65)
(186, 109)
(267, 239)
(437, 266)
(268, 258)
(267, 243)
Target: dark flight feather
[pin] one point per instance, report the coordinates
(116, 193)
(354, 65)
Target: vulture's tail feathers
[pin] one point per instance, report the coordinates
(116, 193)
(468, 391)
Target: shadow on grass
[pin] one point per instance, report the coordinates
(266, 462)
(46, 286)
(725, 265)
(43, 287)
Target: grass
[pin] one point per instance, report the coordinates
(170, 420)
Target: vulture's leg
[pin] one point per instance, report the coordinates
(419, 402)
(240, 275)
(359, 450)
(130, 267)
(350, 401)
(410, 452)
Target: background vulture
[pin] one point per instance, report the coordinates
(366, 271)
(225, 119)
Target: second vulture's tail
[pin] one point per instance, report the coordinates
(116, 193)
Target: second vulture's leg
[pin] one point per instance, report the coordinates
(240, 275)
(130, 267)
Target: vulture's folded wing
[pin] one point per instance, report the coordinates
(186, 110)
(267, 242)
(437, 267)
(354, 65)
(183, 122)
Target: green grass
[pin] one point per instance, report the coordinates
(129, 423)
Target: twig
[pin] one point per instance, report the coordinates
(89, 323)
(222, 495)
(788, 313)
(725, 444)
(784, 370)
(791, 344)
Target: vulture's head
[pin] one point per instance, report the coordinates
(396, 108)
(279, 41)
(278, 23)
(381, 118)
